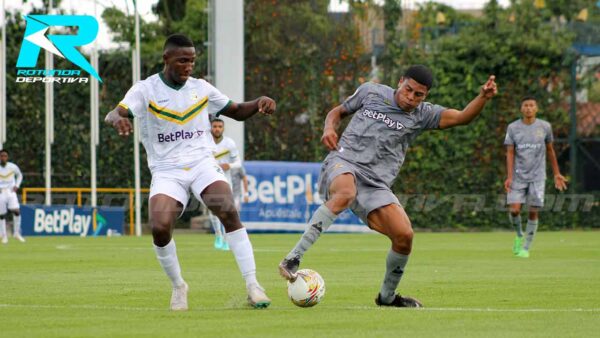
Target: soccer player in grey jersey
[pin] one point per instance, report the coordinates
(528, 141)
(360, 169)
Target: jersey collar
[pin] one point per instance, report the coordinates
(219, 140)
(168, 83)
(530, 124)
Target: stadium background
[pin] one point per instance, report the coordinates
(310, 59)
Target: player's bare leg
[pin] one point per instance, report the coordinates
(342, 192)
(392, 221)
(164, 210)
(219, 199)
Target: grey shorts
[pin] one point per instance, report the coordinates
(370, 195)
(531, 193)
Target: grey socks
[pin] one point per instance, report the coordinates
(320, 221)
(516, 222)
(395, 264)
(530, 232)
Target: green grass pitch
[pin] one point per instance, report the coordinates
(470, 283)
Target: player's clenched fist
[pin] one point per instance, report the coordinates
(266, 105)
(123, 126)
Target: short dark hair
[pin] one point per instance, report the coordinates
(3, 151)
(177, 40)
(527, 98)
(216, 119)
(421, 74)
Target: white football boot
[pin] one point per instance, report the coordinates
(179, 298)
(257, 297)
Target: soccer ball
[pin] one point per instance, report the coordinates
(308, 289)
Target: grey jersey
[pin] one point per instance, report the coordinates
(530, 149)
(378, 136)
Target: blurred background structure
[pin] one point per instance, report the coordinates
(311, 55)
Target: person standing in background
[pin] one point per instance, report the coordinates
(10, 181)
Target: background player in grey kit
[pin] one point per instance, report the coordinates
(527, 142)
(362, 166)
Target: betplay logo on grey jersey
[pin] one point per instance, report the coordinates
(530, 149)
(378, 136)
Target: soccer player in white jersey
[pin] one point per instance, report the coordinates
(10, 181)
(173, 112)
(227, 155)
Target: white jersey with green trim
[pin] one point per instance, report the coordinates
(226, 152)
(173, 120)
(10, 176)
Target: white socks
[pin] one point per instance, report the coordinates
(240, 245)
(16, 225)
(167, 257)
(2, 227)
(238, 242)
(216, 225)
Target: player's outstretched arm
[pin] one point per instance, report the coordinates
(242, 111)
(118, 118)
(332, 122)
(560, 182)
(510, 163)
(454, 117)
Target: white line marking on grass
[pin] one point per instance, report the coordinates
(82, 307)
(451, 309)
(275, 308)
(458, 309)
(286, 249)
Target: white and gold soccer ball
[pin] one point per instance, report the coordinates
(308, 289)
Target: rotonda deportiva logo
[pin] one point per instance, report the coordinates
(36, 37)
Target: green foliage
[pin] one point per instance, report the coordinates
(25, 112)
(153, 34)
(570, 8)
(594, 94)
(308, 63)
(527, 56)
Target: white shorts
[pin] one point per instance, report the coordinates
(176, 183)
(8, 200)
